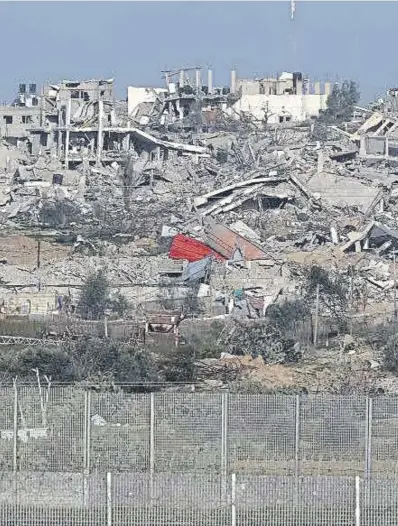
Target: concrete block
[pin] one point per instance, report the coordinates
(327, 88)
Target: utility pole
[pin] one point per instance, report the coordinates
(316, 315)
(38, 254)
(395, 285)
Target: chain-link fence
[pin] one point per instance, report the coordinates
(176, 499)
(65, 429)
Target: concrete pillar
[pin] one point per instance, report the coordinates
(362, 146)
(233, 81)
(59, 144)
(59, 134)
(197, 80)
(179, 109)
(126, 142)
(67, 134)
(113, 117)
(100, 137)
(317, 88)
(86, 165)
(210, 81)
(182, 78)
(320, 163)
(328, 88)
(334, 235)
(299, 87)
(386, 147)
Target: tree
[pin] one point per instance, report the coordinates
(51, 361)
(261, 338)
(176, 364)
(119, 304)
(333, 292)
(285, 315)
(341, 102)
(94, 296)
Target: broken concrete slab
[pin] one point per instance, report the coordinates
(242, 229)
(224, 241)
(341, 192)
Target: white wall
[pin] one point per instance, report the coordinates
(136, 96)
(248, 87)
(299, 107)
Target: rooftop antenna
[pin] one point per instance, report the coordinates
(292, 8)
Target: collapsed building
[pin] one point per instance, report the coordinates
(193, 203)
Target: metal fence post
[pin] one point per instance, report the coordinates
(86, 444)
(15, 440)
(368, 437)
(224, 443)
(109, 499)
(297, 437)
(297, 448)
(152, 443)
(233, 499)
(357, 501)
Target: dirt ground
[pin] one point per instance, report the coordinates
(326, 370)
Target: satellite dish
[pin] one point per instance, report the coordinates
(380, 101)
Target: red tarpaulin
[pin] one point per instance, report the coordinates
(184, 247)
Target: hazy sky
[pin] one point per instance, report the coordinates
(134, 41)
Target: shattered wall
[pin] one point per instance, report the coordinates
(40, 303)
(376, 145)
(16, 121)
(297, 107)
(138, 95)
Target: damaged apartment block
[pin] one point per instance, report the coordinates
(201, 202)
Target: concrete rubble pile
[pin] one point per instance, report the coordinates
(223, 210)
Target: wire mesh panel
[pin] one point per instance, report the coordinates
(332, 435)
(96, 502)
(379, 502)
(261, 434)
(33, 434)
(264, 500)
(50, 499)
(188, 432)
(326, 500)
(48, 489)
(6, 428)
(169, 499)
(166, 499)
(119, 432)
(51, 429)
(295, 501)
(384, 435)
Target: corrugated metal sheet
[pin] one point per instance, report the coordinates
(225, 241)
(184, 247)
(196, 270)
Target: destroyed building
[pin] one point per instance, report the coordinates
(289, 97)
(194, 102)
(17, 120)
(192, 207)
